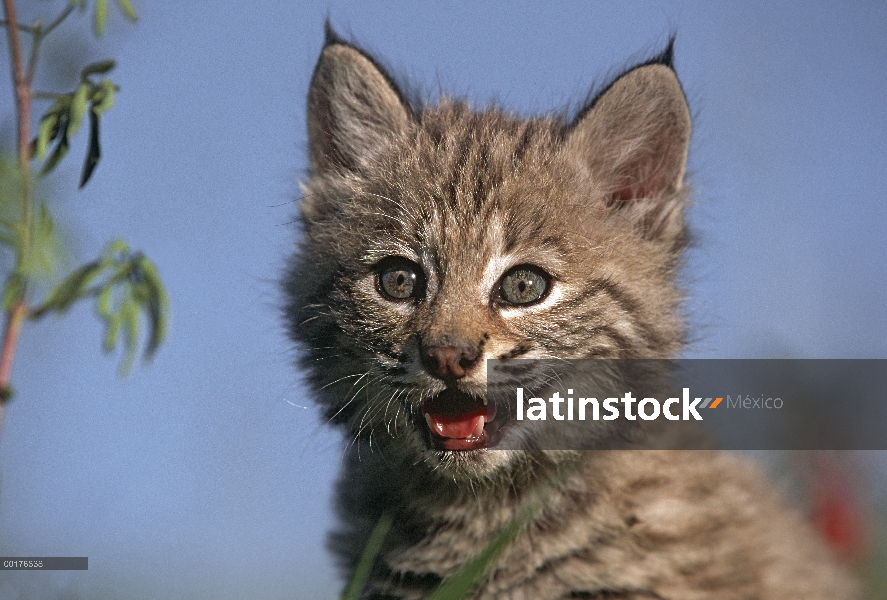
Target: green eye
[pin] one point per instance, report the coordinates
(524, 284)
(400, 279)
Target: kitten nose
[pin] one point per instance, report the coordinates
(449, 361)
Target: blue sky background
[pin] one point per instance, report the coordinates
(208, 473)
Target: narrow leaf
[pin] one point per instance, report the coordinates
(128, 10)
(129, 312)
(111, 333)
(94, 152)
(47, 249)
(103, 303)
(78, 108)
(97, 68)
(60, 151)
(114, 248)
(47, 132)
(101, 16)
(74, 287)
(158, 304)
(12, 291)
(104, 99)
(58, 114)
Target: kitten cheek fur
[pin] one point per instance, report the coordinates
(597, 203)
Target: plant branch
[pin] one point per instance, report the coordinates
(23, 28)
(18, 308)
(22, 98)
(40, 34)
(58, 20)
(14, 319)
(32, 59)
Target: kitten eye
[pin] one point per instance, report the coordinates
(524, 284)
(400, 279)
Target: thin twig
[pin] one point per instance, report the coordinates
(23, 28)
(37, 38)
(39, 32)
(58, 20)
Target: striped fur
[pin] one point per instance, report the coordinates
(466, 195)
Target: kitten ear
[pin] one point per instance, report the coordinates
(635, 135)
(353, 109)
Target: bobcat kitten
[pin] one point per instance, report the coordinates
(437, 237)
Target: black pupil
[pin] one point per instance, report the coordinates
(523, 285)
(399, 283)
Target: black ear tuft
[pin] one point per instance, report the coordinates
(330, 36)
(635, 134)
(666, 57)
(355, 110)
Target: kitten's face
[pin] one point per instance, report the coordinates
(438, 240)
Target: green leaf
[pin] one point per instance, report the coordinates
(103, 303)
(101, 16)
(104, 98)
(158, 303)
(129, 313)
(47, 132)
(47, 249)
(125, 285)
(78, 108)
(94, 153)
(112, 331)
(367, 558)
(74, 287)
(97, 68)
(7, 237)
(114, 248)
(61, 148)
(128, 10)
(12, 291)
(50, 124)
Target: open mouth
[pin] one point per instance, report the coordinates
(460, 421)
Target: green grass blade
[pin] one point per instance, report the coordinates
(469, 576)
(367, 558)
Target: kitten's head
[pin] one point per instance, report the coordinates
(437, 238)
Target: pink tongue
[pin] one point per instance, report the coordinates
(455, 426)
